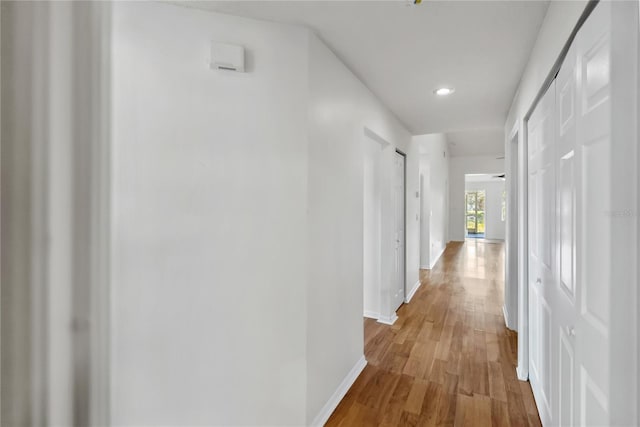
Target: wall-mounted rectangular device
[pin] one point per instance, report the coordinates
(228, 57)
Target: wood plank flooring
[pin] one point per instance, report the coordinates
(448, 360)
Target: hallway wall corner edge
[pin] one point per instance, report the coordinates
(335, 399)
(412, 291)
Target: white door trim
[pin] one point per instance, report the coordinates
(385, 313)
(403, 267)
(511, 236)
(62, 164)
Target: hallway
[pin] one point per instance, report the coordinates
(202, 200)
(448, 359)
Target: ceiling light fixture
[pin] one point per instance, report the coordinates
(444, 91)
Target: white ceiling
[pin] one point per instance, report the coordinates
(403, 52)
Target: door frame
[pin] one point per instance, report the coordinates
(377, 145)
(384, 313)
(512, 234)
(638, 216)
(64, 262)
(404, 224)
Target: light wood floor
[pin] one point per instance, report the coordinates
(448, 359)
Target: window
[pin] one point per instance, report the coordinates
(475, 201)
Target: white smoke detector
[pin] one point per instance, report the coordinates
(227, 57)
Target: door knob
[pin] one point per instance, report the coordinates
(571, 331)
(538, 280)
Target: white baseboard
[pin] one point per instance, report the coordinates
(522, 376)
(437, 258)
(388, 320)
(412, 292)
(337, 395)
(371, 314)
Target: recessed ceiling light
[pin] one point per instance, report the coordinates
(444, 91)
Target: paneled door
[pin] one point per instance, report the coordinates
(570, 234)
(399, 225)
(542, 251)
(584, 183)
(567, 162)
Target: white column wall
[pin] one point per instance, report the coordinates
(209, 221)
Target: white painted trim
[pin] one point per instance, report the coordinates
(340, 392)
(371, 314)
(412, 292)
(638, 216)
(425, 267)
(512, 147)
(100, 220)
(523, 248)
(388, 320)
(522, 374)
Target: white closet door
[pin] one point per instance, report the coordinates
(590, 328)
(542, 249)
(567, 163)
(570, 284)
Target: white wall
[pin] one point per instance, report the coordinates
(425, 213)
(340, 107)
(434, 167)
(459, 167)
(209, 221)
(494, 225)
(559, 21)
(238, 220)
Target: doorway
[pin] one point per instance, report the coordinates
(383, 229)
(475, 213)
(372, 226)
(398, 290)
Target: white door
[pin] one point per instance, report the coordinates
(567, 162)
(399, 213)
(570, 270)
(541, 148)
(584, 189)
